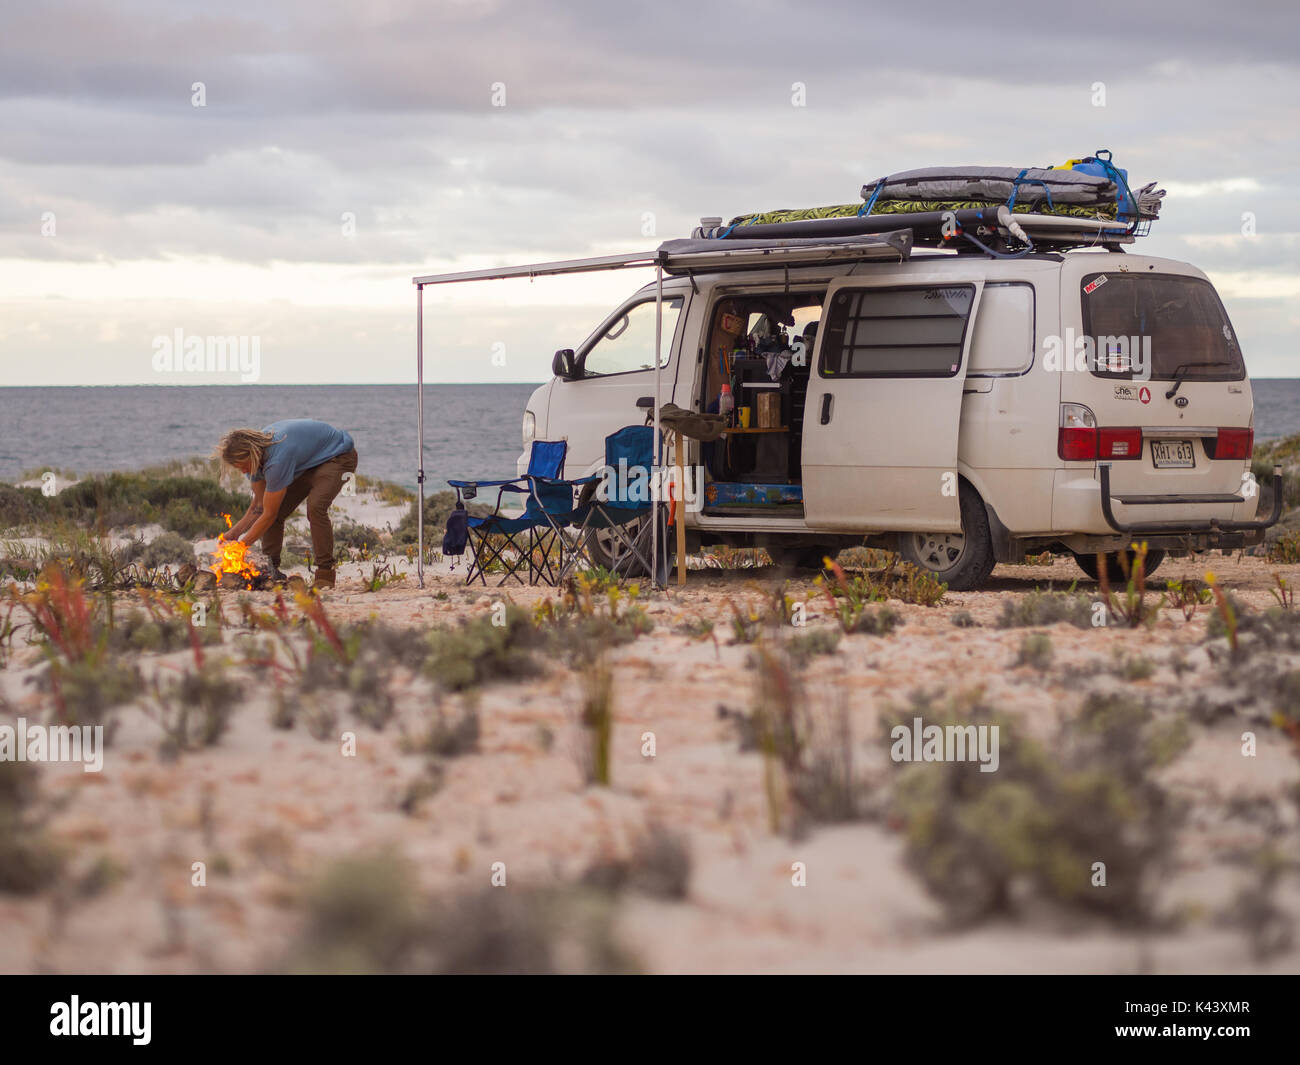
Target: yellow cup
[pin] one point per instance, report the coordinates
(744, 417)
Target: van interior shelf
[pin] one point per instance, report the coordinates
(756, 429)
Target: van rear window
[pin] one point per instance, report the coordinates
(1167, 324)
(896, 332)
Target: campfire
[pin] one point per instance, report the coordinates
(231, 566)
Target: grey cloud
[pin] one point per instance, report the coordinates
(302, 57)
(613, 111)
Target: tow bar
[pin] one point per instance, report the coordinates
(1212, 526)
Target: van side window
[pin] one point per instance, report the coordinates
(896, 332)
(628, 344)
(1002, 344)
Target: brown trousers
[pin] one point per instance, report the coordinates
(318, 486)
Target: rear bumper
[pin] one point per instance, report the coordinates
(1207, 527)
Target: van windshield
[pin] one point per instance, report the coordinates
(1174, 324)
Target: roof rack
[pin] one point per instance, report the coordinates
(993, 230)
(993, 210)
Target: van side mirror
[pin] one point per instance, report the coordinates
(562, 364)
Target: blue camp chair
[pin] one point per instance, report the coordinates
(548, 499)
(627, 502)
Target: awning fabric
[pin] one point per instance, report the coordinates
(693, 255)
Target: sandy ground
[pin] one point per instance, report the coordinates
(266, 808)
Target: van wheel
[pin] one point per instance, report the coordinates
(1114, 572)
(607, 551)
(964, 560)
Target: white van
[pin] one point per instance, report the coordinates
(946, 406)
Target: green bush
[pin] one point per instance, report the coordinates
(1035, 651)
(984, 843)
(367, 914)
(139, 631)
(447, 737)
(85, 690)
(804, 646)
(28, 860)
(354, 535)
(22, 507)
(1046, 608)
(478, 651)
(191, 506)
(196, 709)
(166, 549)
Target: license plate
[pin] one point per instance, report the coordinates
(1172, 453)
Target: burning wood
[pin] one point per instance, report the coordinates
(236, 565)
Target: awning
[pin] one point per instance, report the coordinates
(693, 255)
(690, 255)
(680, 257)
(563, 266)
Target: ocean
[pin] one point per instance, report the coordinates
(470, 431)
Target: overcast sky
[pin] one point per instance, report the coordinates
(127, 212)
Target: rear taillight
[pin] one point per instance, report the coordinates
(1115, 443)
(1077, 438)
(1080, 439)
(1231, 444)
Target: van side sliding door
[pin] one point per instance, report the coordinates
(884, 407)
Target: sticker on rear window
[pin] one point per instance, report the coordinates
(1091, 285)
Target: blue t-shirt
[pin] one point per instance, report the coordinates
(299, 445)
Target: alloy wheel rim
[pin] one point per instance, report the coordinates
(939, 551)
(611, 546)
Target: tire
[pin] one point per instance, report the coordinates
(964, 560)
(806, 558)
(1114, 572)
(606, 550)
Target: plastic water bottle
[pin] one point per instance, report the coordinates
(726, 405)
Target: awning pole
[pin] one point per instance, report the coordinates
(419, 419)
(659, 331)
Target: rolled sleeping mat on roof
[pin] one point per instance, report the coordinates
(924, 223)
(1030, 185)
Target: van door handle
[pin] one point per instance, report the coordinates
(826, 408)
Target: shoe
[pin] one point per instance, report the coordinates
(275, 576)
(324, 579)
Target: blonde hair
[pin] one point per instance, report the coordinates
(239, 445)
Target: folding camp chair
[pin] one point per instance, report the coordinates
(547, 500)
(627, 501)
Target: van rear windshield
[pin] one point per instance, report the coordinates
(1175, 323)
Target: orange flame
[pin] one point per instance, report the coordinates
(229, 558)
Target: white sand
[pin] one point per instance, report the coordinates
(282, 803)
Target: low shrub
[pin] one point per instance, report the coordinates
(28, 859)
(367, 914)
(1048, 608)
(166, 549)
(1035, 651)
(478, 651)
(984, 843)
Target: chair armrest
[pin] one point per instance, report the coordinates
(572, 484)
(485, 484)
